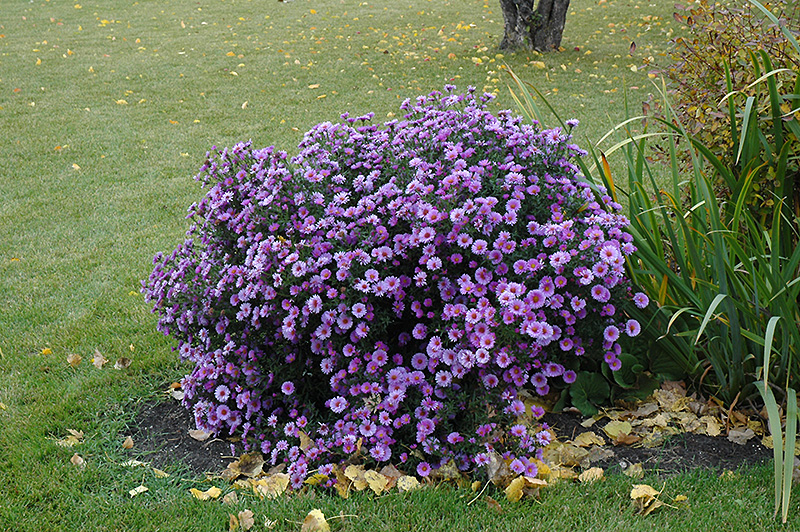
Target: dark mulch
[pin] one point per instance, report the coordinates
(161, 435)
(680, 453)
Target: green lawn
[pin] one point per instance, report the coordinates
(106, 111)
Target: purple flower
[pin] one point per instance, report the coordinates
(641, 300)
(287, 388)
(423, 469)
(611, 333)
(632, 328)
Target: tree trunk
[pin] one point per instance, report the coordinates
(548, 25)
(539, 29)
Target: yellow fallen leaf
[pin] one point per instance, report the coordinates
(376, 481)
(159, 473)
(211, 493)
(73, 438)
(272, 486)
(616, 428)
(407, 483)
(645, 498)
(138, 490)
(121, 102)
(538, 64)
(514, 489)
(356, 474)
(634, 470)
(74, 360)
(128, 443)
(315, 522)
(38, 61)
(587, 439)
(314, 86)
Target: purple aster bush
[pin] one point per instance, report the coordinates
(390, 290)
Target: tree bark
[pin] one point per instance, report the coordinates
(548, 25)
(540, 29)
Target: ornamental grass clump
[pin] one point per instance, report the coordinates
(390, 290)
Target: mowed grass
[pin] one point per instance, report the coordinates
(106, 112)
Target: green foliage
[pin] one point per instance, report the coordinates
(724, 59)
(783, 441)
(716, 269)
(589, 391)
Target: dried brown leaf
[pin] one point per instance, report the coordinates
(77, 461)
(98, 360)
(122, 363)
(128, 443)
(591, 475)
(199, 435)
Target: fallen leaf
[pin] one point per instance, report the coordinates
(246, 519)
(272, 486)
(591, 475)
(741, 436)
(499, 472)
(494, 505)
(376, 481)
(211, 493)
(122, 363)
(407, 483)
(524, 486)
(98, 360)
(199, 435)
(634, 470)
(230, 498)
(159, 473)
(356, 474)
(249, 465)
(138, 490)
(132, 463)
(614, 428)
(392, 474)
(315, 522)
(645, 498)
(74, 360)
(586, 439)
(77, 461)
(514, 489)
(74, 437)
(128, 443)
(343, 483)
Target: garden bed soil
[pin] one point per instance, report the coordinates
(161, 432)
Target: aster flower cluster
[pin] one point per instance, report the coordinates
(389, 290)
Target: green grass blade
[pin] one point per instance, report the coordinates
(788, 451)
